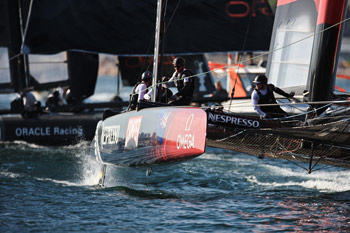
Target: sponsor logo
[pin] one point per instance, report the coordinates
(110, 135)
(245, 9)
(186, 141)
(48, 131)
(132, 132)
(165, 119)
(233, 120)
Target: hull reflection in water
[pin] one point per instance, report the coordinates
(151, 136)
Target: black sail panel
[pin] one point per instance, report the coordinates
(83, 72)
(127, 27)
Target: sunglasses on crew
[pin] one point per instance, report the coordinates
(177, 66)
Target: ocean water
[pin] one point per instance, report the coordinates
(55, 189)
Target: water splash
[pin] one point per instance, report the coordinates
(336, 180)
(91, 171)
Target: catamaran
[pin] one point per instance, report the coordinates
(303, 57)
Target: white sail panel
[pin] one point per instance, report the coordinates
(291, 58)
(48, 68)
(291, 45)
(4, 66)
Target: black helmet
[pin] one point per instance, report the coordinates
(260, 79)
(146, 76)
(179, 61)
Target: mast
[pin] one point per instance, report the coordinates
(156, 50)
(16, 59)
(325, 52)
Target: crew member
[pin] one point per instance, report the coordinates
(31, 107)
(29, 102)
(183, 81)
(263, 94)
(54, 101)
(141, 90)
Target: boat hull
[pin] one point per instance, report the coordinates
(151, 136)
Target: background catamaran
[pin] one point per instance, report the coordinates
(303, 57)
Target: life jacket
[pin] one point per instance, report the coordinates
(269, 98)
(133, 98)
(179, 83)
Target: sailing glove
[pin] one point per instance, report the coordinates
(174, 98)
(266, 116)
(291, 94)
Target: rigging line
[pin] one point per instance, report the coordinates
(144, 60)
(165, 8)
(232, 136)
(286, 149)
(269, 52)
(226, 67)
(301, 114)
(173, 14)
(295, 107)
(342, 158)
(295, 163)
(319, 159)
(240, 59)
(324, 167)
(295, 42)
(340, 92)
(15, 56)
(274, 50)
(48, 62)
(247, 104)
(21, 19)
(152, 42)
(309, 103)
(346, 126)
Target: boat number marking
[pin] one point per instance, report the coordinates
(189, 122)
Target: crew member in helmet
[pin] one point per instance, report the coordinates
(141, 90)
(183, 81)
(263, 94)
